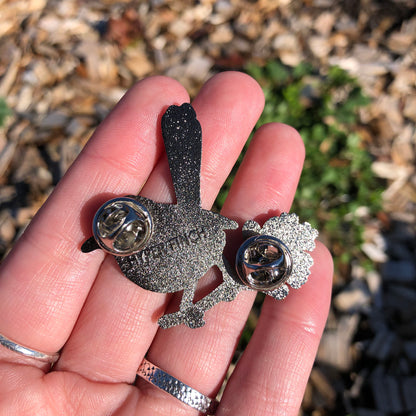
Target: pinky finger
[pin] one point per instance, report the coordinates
(273, 371)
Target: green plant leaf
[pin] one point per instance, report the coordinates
(4, 111)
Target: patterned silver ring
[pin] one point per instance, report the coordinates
(28, 352)
(176, 388)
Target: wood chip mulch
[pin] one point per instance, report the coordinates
(64, 64)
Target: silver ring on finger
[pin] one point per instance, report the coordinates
(50, 358)
(176, 388)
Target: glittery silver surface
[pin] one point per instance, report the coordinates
(186, 240)
(176, 388)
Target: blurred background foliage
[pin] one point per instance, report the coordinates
(337, 189)
(4, 111)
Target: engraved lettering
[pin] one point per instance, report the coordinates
(173, 243)
(156, 251)
(183, 241)
(176, 243)
(144, 255)
(194, 236)
(202, 233)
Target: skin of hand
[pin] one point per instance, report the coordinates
(54, 297)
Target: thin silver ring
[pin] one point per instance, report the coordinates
(181, 391)
(28, 352)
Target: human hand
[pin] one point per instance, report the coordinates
(54, 297)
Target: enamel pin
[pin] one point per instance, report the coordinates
(167, 248)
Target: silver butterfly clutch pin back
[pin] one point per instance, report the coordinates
(167, 248)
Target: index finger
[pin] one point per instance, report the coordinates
(41, 296)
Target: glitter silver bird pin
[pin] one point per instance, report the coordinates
(167, 248)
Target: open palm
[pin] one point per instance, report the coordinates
(54, 297)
